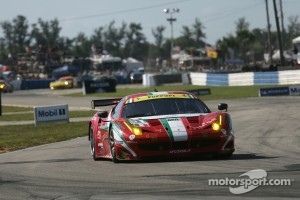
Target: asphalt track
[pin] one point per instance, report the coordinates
(267, 134)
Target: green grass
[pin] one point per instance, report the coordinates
(6, 109)
(23, 136)
(222, 92)
(30, 116)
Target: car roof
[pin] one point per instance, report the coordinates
(66, 77)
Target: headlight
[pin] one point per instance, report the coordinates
(66, 83)
(137, 131)
(216, 126)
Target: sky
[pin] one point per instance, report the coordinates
(217, 16)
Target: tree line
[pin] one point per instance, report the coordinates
(128, 40)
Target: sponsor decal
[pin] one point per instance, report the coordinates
(139, 122)
(207, 123)
(274, 91)
(131, 137)
(256, 178)
(180, 151)
(295, 90)
(100, 145)
(159, 96)
(51, 113)
(175, 129)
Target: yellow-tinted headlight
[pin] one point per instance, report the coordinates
(133, 129)
(137, 131)
(66, 83)
(2, 86)
(215, 126)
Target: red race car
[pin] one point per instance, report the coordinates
(159, 124)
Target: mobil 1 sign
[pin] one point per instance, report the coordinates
(295, 90)
(53, 113)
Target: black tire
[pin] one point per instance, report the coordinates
(92, 144)
(112, 147)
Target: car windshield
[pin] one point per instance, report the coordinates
(164, 107)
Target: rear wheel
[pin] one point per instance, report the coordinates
(92, 143)
(112, 147)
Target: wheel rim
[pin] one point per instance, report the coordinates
(112, 143)
(92, 146)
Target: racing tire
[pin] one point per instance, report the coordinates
(92, 144)
(112, 147)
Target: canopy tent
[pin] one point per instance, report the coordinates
(286, 54)
(132, 64)
(296, 40)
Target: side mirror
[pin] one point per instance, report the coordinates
(223, 106)
(102, 114)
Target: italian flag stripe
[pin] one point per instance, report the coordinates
(175, 129)
(168, 128)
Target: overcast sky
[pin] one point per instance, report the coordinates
(218, 16)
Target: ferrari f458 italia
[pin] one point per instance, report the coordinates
(159, 125)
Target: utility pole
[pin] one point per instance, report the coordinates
(269, 34)
(282, 25)
(171, 20)
(278, 34)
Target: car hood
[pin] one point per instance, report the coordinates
(199, 120)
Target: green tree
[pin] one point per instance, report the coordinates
(227, 46)
(15, 35)
(97, 39)
(156, 50)
(293, 30)
(198, 33)
(158, 35)
(135, 42)
(82, 46)
(241, 24)
(186, 39)
(46, 33)
(113, 38)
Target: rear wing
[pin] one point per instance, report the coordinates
(104, 102)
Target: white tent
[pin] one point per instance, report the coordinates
(296, 40)
(286, 54)
(132, 64)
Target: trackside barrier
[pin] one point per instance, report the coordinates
(198, 92)
(289, 77)
(35, 84)
(276, 91)
(31, 84)
(159, 79)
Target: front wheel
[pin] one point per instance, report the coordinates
(112, 147)
(92, 143)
